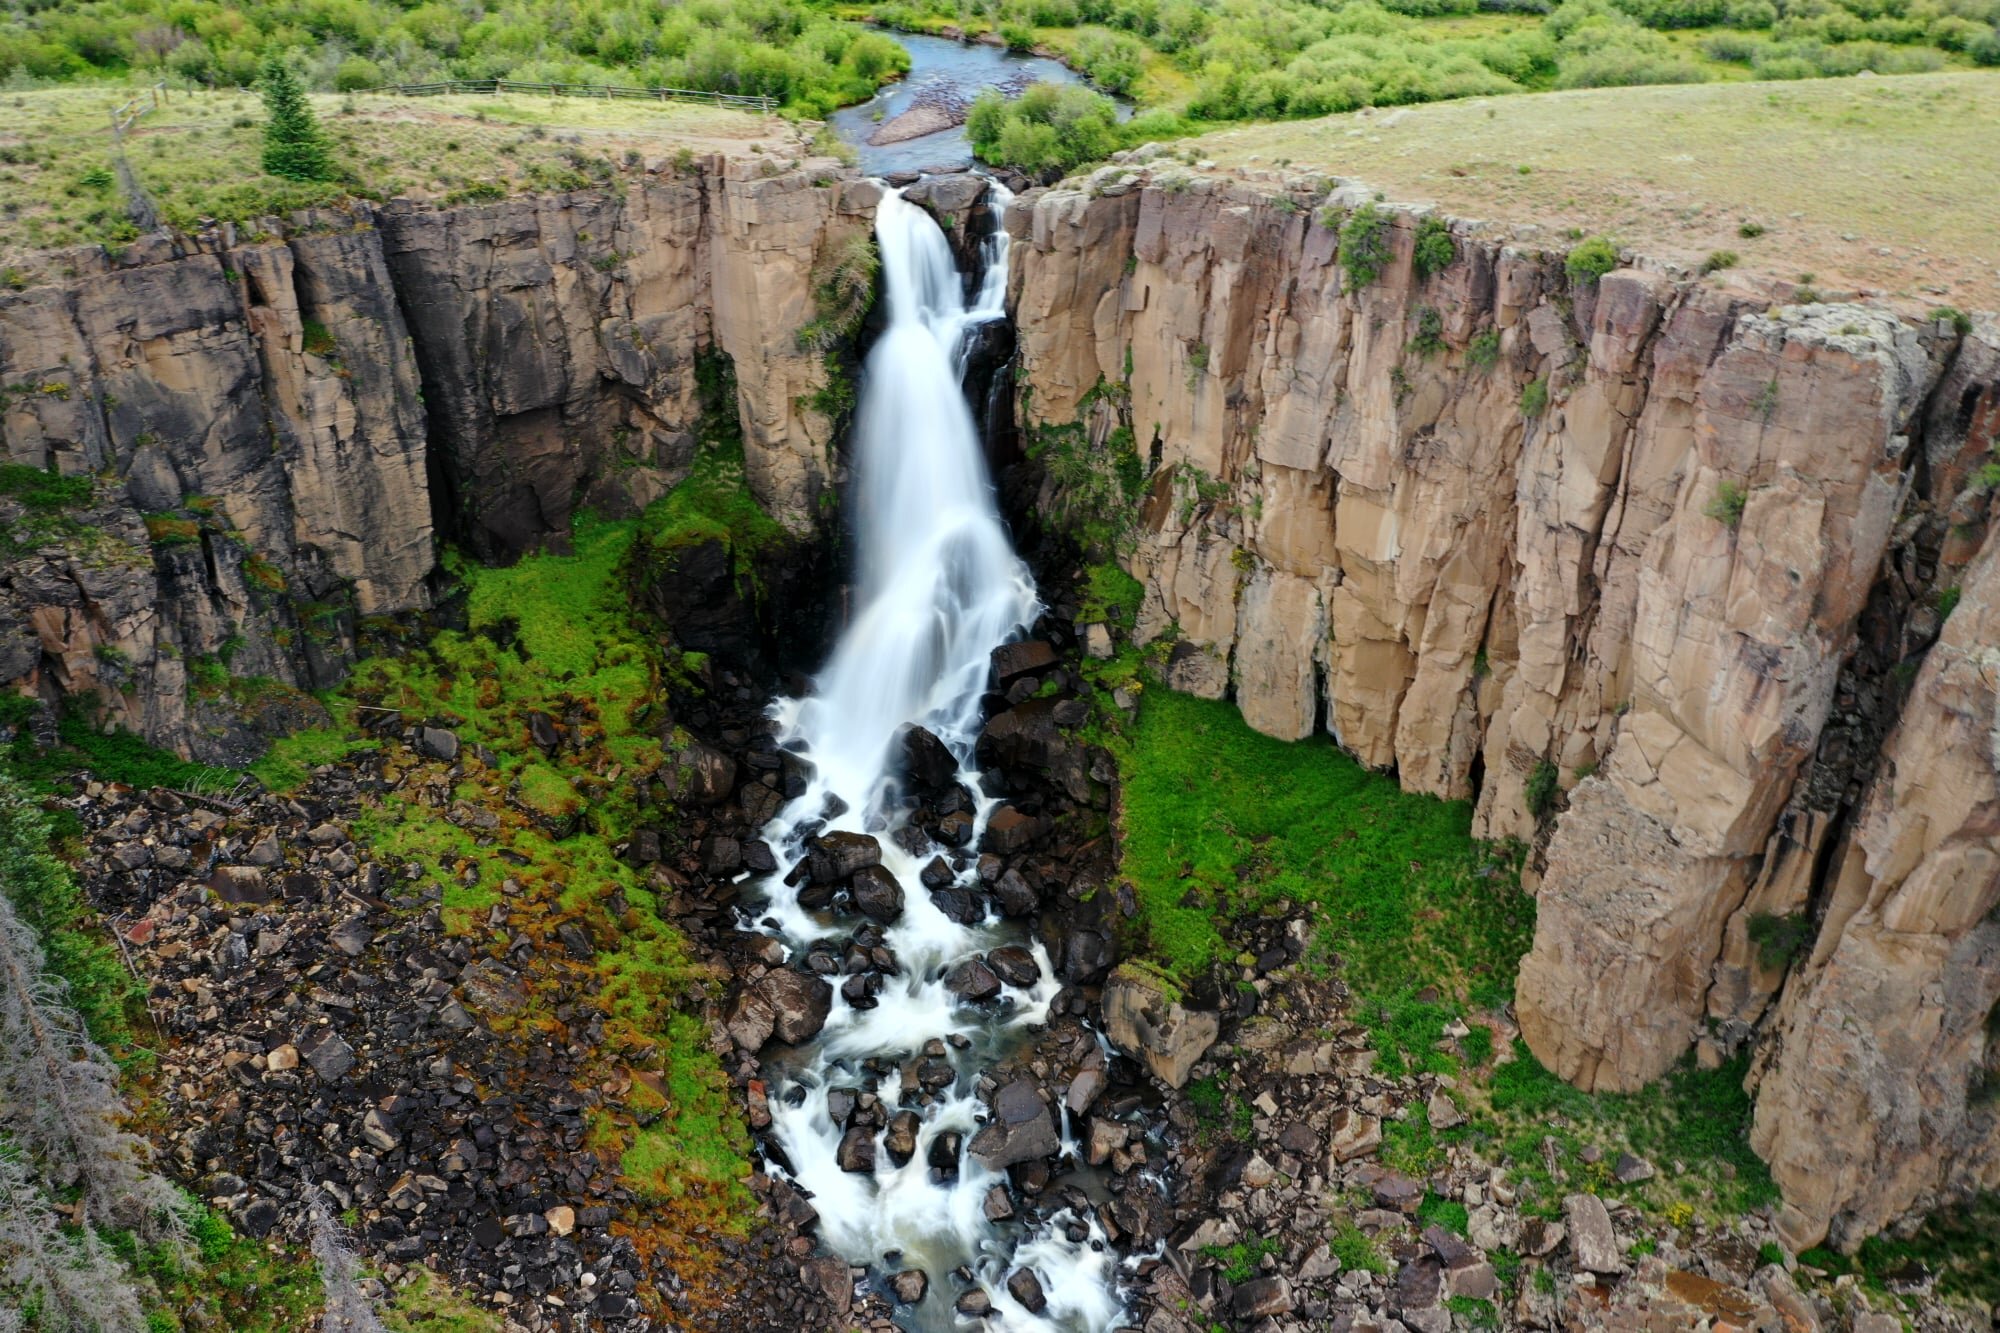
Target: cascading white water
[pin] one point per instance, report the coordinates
(938, 587)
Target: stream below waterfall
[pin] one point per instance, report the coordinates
(937, 588)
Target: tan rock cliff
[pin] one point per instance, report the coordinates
(1669, 600)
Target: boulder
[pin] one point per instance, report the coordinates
(1022, 1128)
(1014, 965)
(910, 1286)
(790, 1005)
(1025, 1287)
(901, 1140)
(1011, 660)
(836, 856)
(1592, 1241)
(857, 1150)
(1144, 1016)
(928, 763)
(437, 743)
(1262, 1296)
(960, 905)
(972, 981)
(1008, 830)
(831, 1279)
(877, 895)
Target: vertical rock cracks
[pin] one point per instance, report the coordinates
(1646, 566)
(282, 419)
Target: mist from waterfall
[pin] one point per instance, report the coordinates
(937, 588)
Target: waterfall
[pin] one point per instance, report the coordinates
(937, 588)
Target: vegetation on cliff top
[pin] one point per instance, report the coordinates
(789, 50)
(200, 155)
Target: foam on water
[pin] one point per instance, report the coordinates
(938, 587)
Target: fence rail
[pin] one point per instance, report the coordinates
(126, 114)
(602, 91)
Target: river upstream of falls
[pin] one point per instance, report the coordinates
(937, 588)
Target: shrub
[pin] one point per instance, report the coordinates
(1535, 397)
(1364, 246)
(1726, 505)
(294, 148)
(1960, 322)
(1434, 250)
(1750, 231)
(1429, 337)
(1778, 938)
(1046, 127)
(1591, 260)
(1719, 260)
(1542, 789)
(1483, 352)
(1947, 601)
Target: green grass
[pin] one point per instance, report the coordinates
(1239, 1261)
(1110, 596)
(1446, 1213)
(427, 1304)
(200, 156)
(226, 1281)
(1219, 821)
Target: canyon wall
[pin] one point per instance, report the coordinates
(279, 421)
(1646, 560)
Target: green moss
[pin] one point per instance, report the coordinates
(713, 504)
(1110, 596)
(43, 490)
(1239, 1261)
(1219, 821)
(1535, 397)
(547, 792)
(291, 759)
(1356, 1250)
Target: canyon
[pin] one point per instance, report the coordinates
(1688, 584)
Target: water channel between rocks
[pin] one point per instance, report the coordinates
(896, 1166)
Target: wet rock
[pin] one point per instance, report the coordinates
(974, 1304)
(721, 855)
(901, 1140)
(832, 1279)
(784, 1003)
(1014, 965)
(998, 1205)
(1008, 830)
(927, 761)
(910, 1286)
(1025, 1287)
(1015, 896)
(701, 775)
(943, 1155)
(1142, 1016)
(877, 895)
(857, 1149)
(836, 856)
(961, 905)
(955, 829)
(972, 981)
(936, 874)
(1021, 1130)
(1105, 1138)
(1011, 660)
(1592, 1241)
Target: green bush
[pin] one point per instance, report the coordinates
(1434, 250)
(1535, 397)
(1719, 260)
(1048, 127)
(1591, 260)
(1726, 505)
(1543, 787)
(1364, 246)
(1778, 938)
(1483, 352)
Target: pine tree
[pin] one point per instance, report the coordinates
(293, 145)
(347, 1306)
(57, 1086)
(69, 1279)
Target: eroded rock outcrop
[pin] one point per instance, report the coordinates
(1641, 557)
(297, 411)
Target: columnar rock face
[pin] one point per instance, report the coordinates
(1882, 1087)
(300, 413)
(1633, 556)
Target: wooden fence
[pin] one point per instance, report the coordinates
(603, 91)
(126, 114)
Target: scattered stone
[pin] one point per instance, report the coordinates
(877, 895)
(437, 743)
(1630, 1170)
(910, 1286)
(1592, 1240)
(1025, 1287)
(1263, 1296)
(1354, 1135)
(972, 981)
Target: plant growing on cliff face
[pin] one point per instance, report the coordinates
(1961, 323)
(1542, 789)
(1434, 250)
(294, 147)
(1947, 602)
(1777, 938)
(1591, 260)
(1535, 397)
(843, 287)
(1726, 505)
(1483, 352)
(1429, 337)
(1364, 246)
